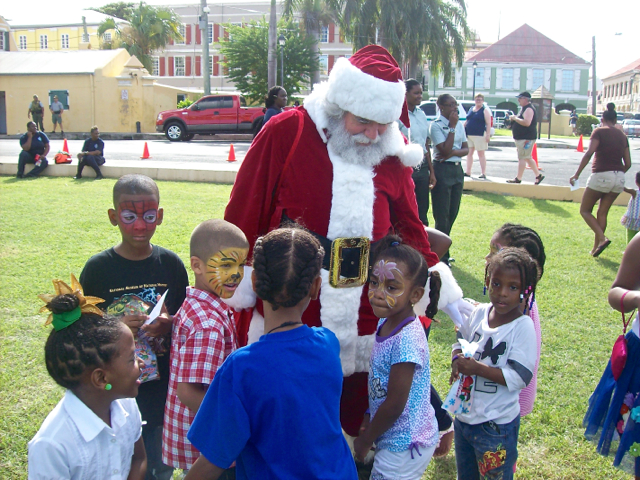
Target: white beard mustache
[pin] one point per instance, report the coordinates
(359, 149)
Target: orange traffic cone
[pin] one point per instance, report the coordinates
(580, 146)
(145, 153)
(65, 147)
(232, 154)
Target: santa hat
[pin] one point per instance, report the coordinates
(369, 85)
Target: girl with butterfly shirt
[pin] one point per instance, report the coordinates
(486, 430)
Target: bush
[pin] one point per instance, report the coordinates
(585, 123)
(185, 103)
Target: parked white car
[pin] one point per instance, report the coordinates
(501, 118)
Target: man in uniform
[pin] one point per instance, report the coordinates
(36, 112)
(35, 146)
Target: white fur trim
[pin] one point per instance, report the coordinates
(411, 155)
(256, 327)
(351, 216)
(364, 95)
(315, 105)
(244, 296)
(450, 290)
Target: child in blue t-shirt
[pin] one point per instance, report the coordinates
(402, 422)
(274, 406)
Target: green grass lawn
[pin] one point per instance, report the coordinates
(50, 226)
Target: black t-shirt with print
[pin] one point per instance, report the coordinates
(115, 279)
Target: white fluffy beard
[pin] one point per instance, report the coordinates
(358, 149)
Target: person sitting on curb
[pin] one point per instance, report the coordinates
(35, 146)
(92, 154)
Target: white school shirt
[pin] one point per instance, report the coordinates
(512, 348)
(74, 443)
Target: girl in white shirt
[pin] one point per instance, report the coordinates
(486, 433)
(95, 430)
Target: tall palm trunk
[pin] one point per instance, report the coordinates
(271, 49)
(315, 33)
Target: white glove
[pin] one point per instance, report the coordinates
(459, 311)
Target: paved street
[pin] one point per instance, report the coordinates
(558, 163)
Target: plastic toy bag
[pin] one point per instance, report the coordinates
(459, 398)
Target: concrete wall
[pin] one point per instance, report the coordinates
(559, 124)
(115, 97)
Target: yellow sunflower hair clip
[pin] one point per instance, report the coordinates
(87, 304)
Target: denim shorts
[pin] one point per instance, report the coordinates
(487, 450)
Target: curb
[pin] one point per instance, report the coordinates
(234, 137)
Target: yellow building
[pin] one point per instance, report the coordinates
(108, 88)
(58, 29)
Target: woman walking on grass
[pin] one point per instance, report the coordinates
(606, 181)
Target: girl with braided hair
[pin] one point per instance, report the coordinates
(486, 429)
(274, 405)
(513, 235)
(95, 431)
(401, 422)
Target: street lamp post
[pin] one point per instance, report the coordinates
(204, 31)
(475, 65)
(281, 41)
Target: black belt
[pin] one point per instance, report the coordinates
(346, 259)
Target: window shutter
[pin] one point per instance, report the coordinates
(187, 66)
(559, 80)
(547, 78)
(498, 78)
(216, 67)
(162, 67)
(332, 32)
(171, 41)
(576, 80)
(198, 65)
(216, 32)
(487, 78)
(188, 35)
(516, 79)
(529, 79)
(171, 66)
(331, 60)
(198, 35)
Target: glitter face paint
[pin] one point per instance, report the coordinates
(388, 279)
(225, 270)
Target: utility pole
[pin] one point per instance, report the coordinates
(204, 31)
(594, 83)
(271, 49)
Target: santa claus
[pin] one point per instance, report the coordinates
(340, 167)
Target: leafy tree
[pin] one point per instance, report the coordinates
(149, 28)
(245, 53)
(409, 29)
(122, 10)
(315, 14)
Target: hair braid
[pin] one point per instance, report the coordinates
(434, 294)
(527, 238)
(520, 259)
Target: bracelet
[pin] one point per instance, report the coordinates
(367, 412)
(455, 357)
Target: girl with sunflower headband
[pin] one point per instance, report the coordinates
(95, 430)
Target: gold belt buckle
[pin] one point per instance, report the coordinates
(336, 280)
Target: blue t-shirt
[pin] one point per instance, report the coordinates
(417, 423)
(274, 408)
(38, 143)
(271, 112)
(93, 145)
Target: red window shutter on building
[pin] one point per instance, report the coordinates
(216, 32)
(198, 65)
(188, 34)
(162, 67)
(171, 41)
(170, 67)
(198, 35)
(332, 32)
(187, 66)
(331, 59)
(216, 67)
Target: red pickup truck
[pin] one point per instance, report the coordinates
(225, 113)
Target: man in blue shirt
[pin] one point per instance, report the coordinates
(35, 146)
(450, 144)
(92, 154)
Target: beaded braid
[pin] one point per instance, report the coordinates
(286, 262)
(527, 238)
(434, 294)
(519, 258)
(89, 342)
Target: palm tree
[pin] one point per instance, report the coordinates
(149, 28)
(409, 29)
(315, 14)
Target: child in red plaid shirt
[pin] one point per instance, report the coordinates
(203, 332)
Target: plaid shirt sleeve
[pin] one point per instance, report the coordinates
(201, 356)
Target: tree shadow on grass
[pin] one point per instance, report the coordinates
(544, 206)
(494, 198)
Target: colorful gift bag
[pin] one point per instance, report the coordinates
(459, 398)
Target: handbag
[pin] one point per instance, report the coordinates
(619, 352)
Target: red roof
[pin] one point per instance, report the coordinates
(527, 45)
(632, 66)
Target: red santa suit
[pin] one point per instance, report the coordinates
(290, 170)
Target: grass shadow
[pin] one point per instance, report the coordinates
(608, 264)
(552, 208)
(501, 200)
